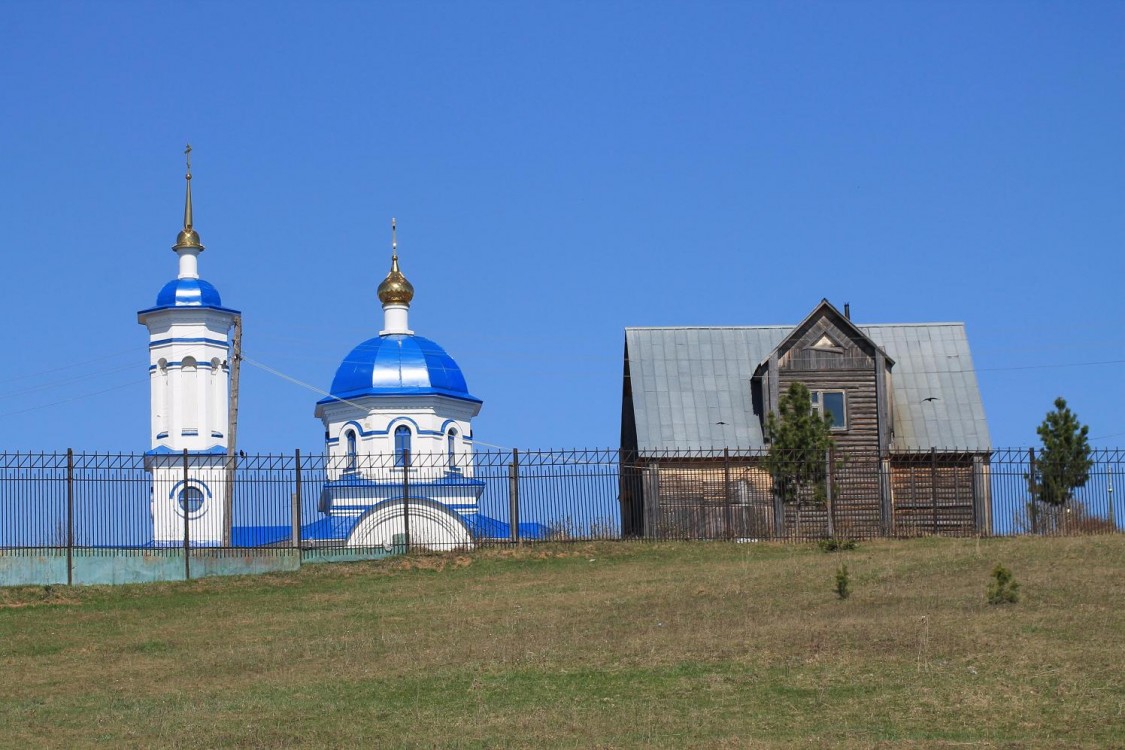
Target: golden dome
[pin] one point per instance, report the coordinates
(187, 238)
(395, 289)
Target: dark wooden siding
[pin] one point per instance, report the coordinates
(709, 499)
(851, 369)
(717, 499)
(859, 396)
(933, 496)
(799, 353)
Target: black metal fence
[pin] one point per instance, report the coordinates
(327, 505)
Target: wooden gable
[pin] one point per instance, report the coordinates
(827, 352)
(824, 341)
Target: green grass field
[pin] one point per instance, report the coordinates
(587, 645)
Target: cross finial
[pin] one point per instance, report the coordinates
(394, 238)
(188, 237)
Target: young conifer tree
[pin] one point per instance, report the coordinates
(1063, 465)
(800, 437)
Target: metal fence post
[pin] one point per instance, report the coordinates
(829, 462)
(406, 495)
(514, 497)
(727, 495)
(69, 516)
(1111, 514)
(933, 486)
(184, 507)
(976, 486)
(297, 502)
(779, 528)
(1033, 506)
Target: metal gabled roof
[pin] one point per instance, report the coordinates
(691, 386)
(933, 360)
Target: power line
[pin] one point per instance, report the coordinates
(1044, 367)
(130, 384)
(262, 366)
(66, 381)
(314, 389)
(291, 379)
(72, 365)
(80, 396)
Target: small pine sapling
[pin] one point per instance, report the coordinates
(1003, 589)
(842, 583)
(836, 544)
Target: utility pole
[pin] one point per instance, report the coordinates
(232, 431)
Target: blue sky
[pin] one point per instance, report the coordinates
(559, 171)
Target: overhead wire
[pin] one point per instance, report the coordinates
(295, 381)
(80, 396)
(70, 366)
(278, 373)
(130, 384)
(58, 383)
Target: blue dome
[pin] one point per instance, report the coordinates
(188, 293)
(398, 365)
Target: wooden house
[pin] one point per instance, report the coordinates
(911, 449)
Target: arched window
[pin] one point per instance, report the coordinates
(189, 387)
(349, 439)
(160, 391)
(451, 447)
(216, 397)
(402, 443)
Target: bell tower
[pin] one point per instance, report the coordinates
(189, 387)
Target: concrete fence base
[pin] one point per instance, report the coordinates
(89, 567)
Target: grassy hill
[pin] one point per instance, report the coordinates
(590, 645)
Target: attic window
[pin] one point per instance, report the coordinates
(826, 344)
(834, 405)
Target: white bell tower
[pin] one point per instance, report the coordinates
(189, 376)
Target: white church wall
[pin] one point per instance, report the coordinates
(374, 420)
(204, 505)
(189, 394)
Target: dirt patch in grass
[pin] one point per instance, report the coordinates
(37, 596)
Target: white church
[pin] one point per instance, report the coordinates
(398, 415)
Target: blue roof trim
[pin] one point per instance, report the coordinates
(492, 528)
(259, 536)
(163, 450)
(398, 365)
(399, 392)
(481, 527)
(335, 528)
(329, 529)
(452, 479)
(188, 340)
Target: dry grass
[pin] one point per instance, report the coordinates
(575, 646)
